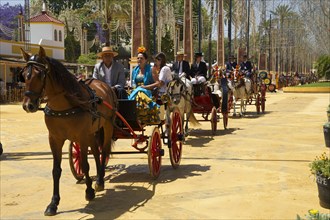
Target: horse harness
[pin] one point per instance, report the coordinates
(176, 97)
(94, 99)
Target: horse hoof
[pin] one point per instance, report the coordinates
(99, 187)
(50, 210)
(90, 194)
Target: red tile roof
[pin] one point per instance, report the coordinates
(44, 17)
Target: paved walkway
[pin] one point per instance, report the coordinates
(256, 169)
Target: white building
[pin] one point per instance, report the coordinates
(45, 31)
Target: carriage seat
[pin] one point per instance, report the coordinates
(127, 108)
(200, 89)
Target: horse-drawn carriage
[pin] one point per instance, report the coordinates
(211, 98)
(208, 99)
(250, 91)
(89, 115)
(128, 125)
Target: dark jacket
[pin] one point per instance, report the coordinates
(231, 66)
(185, 67)
(201, 70)
(246, 66)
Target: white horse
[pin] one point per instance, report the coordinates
(242, 90)
(180, 93)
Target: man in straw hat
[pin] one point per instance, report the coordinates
(181, 67)
(111, 72)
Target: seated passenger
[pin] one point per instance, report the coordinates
(165, 75)
(246, 66)
(198, 70)
(111, 72)
(143, 82)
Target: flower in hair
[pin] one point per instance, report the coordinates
(142, 49)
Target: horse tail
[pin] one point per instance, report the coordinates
(193, 120)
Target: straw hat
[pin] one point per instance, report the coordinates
(107, 50)
(180, 52)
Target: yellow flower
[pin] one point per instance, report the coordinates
(313, 211)
(142, 49)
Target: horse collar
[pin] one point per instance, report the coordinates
(49, 112)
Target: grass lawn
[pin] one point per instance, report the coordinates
(318, 84)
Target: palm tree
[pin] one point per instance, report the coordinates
(282, 15)
(114, 10)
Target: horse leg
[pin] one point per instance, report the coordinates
(188, 113)
(95, 147)
(106, 147)
(89, 193)
(56, 147)
(242, 107)
(234, 104)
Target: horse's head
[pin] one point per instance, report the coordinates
(34, 75)
(175, 89)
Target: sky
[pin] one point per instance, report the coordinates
(12, 2)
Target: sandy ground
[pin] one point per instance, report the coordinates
(256, 169)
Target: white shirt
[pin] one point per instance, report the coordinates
(180, 67)
(165, 75)
(107, 74)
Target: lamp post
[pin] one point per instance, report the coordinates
(154, 23)
(248, 29)
(199, 25)
(229, 26)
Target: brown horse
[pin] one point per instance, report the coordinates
(75, 112)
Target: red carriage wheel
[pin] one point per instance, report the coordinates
(258, 103)
(155, 153)
(214, 120)
(75, 161)
(176, 136)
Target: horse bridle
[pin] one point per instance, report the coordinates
(42, 68)
(177, 96)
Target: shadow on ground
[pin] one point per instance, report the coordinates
(200, 138)
(112, 203)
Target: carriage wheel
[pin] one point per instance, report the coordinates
(214, 120)
(258, 103)
(176, 139)
(75, 161)
(155, 153)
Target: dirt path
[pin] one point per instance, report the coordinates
(256, 169)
